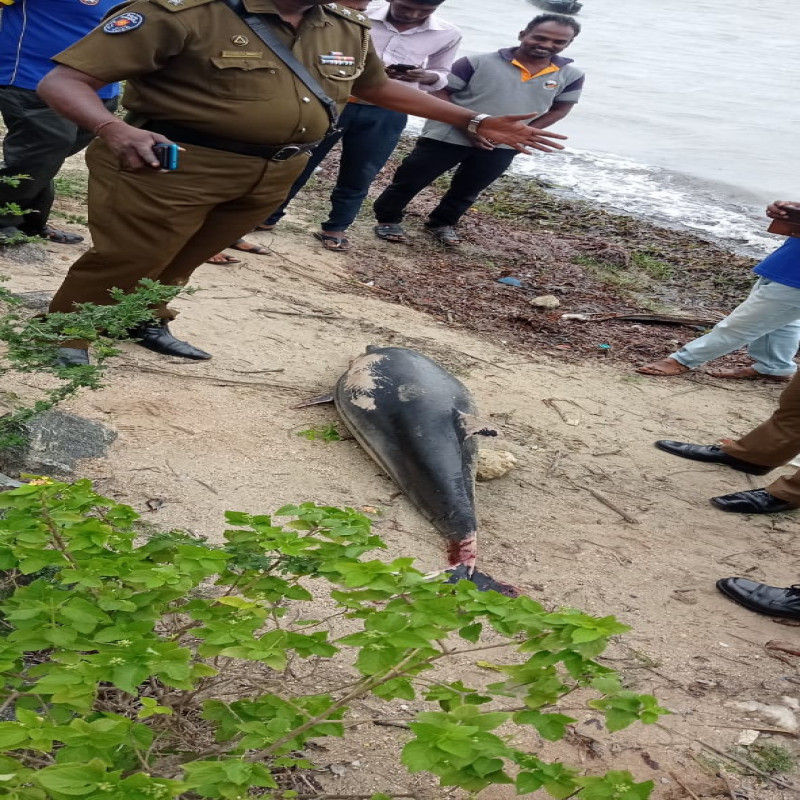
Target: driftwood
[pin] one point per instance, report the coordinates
(658, 319)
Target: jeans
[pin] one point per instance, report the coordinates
(431, 158)
(36, 144)
(369, 135)
(768, 322)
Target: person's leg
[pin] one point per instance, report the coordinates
(36, 144)
(776, 441)
(237, 215)
(146, 224)
(367, 144)
(428, 160)
(769, 307)
(774, 352)
(479, 170)
(318, 155)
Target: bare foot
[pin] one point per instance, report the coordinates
(747, 374)
(664, 369)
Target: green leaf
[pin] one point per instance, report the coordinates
(549, 726)
(12, 734)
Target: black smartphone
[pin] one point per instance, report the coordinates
(402, 67)
(167, 155)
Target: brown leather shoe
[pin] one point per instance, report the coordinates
(748, 374)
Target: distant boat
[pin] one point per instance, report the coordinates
(560, 6)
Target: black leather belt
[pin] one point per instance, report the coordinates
(179, 133)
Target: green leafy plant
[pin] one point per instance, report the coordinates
(14, 210)
(173, 668)
(327, 433)
(31, 343)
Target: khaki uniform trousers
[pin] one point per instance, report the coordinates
(775, 442)
(162, 226)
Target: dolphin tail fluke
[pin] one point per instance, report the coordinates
(484, 582)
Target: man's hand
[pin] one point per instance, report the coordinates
(132, 146)
(781, 209)
(511, 130)
(418, 75)
(481, 142)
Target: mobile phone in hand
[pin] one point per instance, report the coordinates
(402, 67)
(167, 155)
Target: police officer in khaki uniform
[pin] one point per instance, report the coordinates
(198, 75)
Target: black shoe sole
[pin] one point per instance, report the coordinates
(729, 461)
(722, 507)
(163, 352)
(741, 601)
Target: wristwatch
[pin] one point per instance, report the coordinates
(472, 125)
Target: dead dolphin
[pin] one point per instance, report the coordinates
(418, 422)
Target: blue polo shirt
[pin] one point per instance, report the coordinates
(782, 266)
(33, 31)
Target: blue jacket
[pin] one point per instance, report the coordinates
(33, 31)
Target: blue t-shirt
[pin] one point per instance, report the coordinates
(782, 266)
(33, 31)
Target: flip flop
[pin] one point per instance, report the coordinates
(262, 226)
(666, 368)
(747, 374)
(60, 237)
(248, 247)
(391, 232)
(222, 258)
(337, 244)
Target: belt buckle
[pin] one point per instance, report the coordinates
(287, 152)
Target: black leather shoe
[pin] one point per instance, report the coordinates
(71, 357)
(756, 501)
(762, 598)
(156, 336)
(711, 454)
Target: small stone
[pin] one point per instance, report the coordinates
(28, 253)
(545, 301)
(36, 301)
(494, 464)
(747, 737)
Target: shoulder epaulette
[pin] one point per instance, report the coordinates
(180, 5)
(351, 15)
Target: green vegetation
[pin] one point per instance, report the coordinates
(72, 184)
(169, 668)
(771, 758)
(31, 344)
(328, 433)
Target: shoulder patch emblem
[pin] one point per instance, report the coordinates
(90, 2)
(123, 23)
(551, 84)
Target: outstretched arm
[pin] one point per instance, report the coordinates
(507, 129)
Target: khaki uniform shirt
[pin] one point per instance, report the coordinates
(196, 63)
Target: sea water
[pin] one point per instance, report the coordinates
(690, 115)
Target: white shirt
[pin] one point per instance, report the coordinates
(431, 45)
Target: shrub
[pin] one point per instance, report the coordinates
(167, 667)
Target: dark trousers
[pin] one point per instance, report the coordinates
(775, 442)
(369, 135)
(431, 158)
(37, 143)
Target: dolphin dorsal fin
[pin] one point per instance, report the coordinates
(474, 426)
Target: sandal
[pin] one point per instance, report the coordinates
(667, 368)
(60, 237)
(391, 232)
(249, 247)
(338, 244)
(446, 234)
(222, 258)
(263, 226)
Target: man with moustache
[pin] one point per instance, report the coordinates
(199, 73)
(406, 34)
(530, 77)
